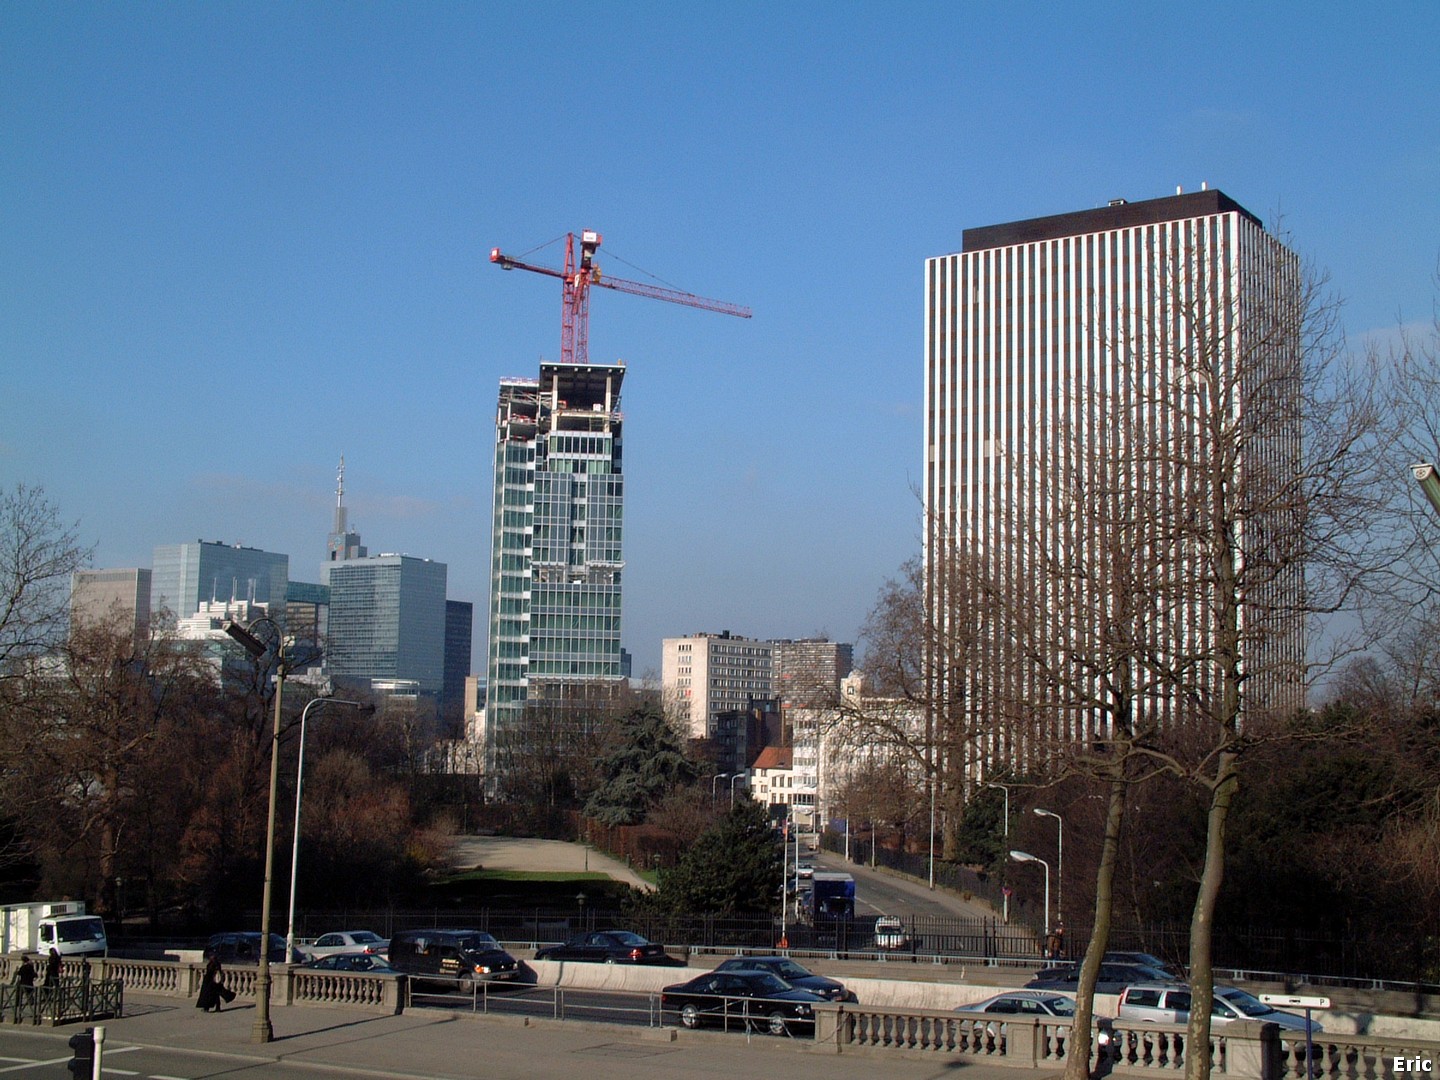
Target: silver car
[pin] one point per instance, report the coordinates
(1169, 1003)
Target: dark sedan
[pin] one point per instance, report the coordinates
(356, 961)
(607, 947)
(243, 947)
(1113, 978)
(744, 1000)
(792, 973)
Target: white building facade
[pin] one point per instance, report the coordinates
(1054, 347)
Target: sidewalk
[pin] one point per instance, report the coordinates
(438, 1045)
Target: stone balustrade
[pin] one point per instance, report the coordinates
(1247, 1049)
(288, 986)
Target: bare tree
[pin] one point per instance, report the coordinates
(38, 553)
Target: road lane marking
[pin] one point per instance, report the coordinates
(38, 1064)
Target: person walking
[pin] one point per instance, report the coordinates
(52, 967)
(212, 990)
(24, 986)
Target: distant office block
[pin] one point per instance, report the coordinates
(705, 676)
(387, 620)
(184, 576)
(99, 596)
(459, 634)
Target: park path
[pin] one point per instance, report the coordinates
(529, 853)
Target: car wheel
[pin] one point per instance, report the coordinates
(609, 959)
(689, 1016)
(777, 1024)
(467, 983)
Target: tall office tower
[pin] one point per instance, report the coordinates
(1077, 368)
(344, 543)
(459, 631)
(97, 596)
(807, 671)
(707, 676)
(185, 575)
(387, 620)
(555, 556)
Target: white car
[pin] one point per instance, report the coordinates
(346, 941)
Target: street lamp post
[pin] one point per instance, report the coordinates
(1059, 863)
(295, 841)
(262, 1031)
(1024, 856)
(1006, 790)
(713, 781)
(737, 776)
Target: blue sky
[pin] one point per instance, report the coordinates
(242, 239)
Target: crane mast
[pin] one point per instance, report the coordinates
(575, 282)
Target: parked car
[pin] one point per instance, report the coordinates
(1025, 1003)
(352, 961)
(1169, 1003)
(243, 947)
(457, 957)
(747, 1000)
(1033, 1003)
(1145, 959)
(792, 973)
(607, 947)
(346, 941)
(1113, 978)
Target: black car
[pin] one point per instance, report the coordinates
(458, 957)
(1144, 958)
(744, 1000)
(354, 961)
(606, 947)
(792, 973)
(243, 947)
(1113, 978)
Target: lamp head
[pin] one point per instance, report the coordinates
(251, 644)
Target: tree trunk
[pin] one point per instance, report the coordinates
(1202, 920)
(1077, 1059)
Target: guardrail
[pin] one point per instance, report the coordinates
(62, 1002)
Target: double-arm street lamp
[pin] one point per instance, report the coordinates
(1024, 856)
(713, 781)
(299, 783)
(262, 1031)
(1059, 864)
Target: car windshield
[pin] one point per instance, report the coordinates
(1247, 1004)
(478, 942)
(81, 930)
(766, 983)
(625, 937)
(365, 937)
(1060, 1006)
(788, 969)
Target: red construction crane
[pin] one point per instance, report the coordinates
(575, 284)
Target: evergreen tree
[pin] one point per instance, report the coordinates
(647, 761)
(733, 869)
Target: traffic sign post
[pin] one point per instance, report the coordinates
(1294, 1001)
